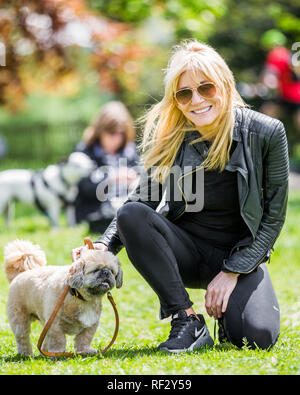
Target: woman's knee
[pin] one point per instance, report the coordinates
(131, 214)
(252, 333)
(261, 335)
(252, 313)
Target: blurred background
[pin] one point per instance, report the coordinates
(62, 59)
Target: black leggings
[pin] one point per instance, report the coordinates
(170, 259)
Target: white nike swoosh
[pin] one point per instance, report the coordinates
(197, 333)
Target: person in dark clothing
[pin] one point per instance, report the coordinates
(213, 223)
(109, 141)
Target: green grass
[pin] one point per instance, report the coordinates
(135, 350)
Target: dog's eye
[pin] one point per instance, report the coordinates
(93, 271)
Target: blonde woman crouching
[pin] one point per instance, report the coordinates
(203, 127)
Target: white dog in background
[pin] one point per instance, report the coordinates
(35, 289)
(50, 189)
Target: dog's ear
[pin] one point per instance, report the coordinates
(119, 276)
(76, 274)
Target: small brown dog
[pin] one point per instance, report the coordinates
(35, 289)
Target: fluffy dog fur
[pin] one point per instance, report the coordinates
(35, 289)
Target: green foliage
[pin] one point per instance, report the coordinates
(203, 19)
(50, 128)
(238, 34)
(241, 31)
(190, 17)
(123, 10)
(135, 350)
(194, 18)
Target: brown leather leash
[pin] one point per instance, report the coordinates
(60, 301)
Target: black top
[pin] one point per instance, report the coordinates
(219, 222)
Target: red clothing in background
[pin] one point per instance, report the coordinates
(279, 62)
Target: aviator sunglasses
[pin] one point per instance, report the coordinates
(206, 90)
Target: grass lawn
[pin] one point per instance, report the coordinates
(135, 351)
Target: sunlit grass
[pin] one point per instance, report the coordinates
(135, 351)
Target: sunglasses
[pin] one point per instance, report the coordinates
(206, 90)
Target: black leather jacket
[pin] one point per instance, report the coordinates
(261, 160)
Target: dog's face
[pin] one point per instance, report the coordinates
(95, 273)
(78, 165)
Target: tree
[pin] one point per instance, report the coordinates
(45, 41)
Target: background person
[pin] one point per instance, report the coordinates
(109, 138)
(282, 78)
(203, 122)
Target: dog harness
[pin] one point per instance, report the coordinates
(34, 176)
(38, 175)
(74, 292)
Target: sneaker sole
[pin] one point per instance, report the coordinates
(202, 341)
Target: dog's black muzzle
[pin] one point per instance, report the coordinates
(103, 282)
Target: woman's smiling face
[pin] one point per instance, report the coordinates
(200, 111)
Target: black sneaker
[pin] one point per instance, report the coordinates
(187, 333)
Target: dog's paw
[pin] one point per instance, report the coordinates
(24, 351)
(87, 350)
(24, 355)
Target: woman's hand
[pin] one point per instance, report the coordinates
(218, 293)
(77, 251)
(126, 175)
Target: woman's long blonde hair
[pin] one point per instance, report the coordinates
(165, 124)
